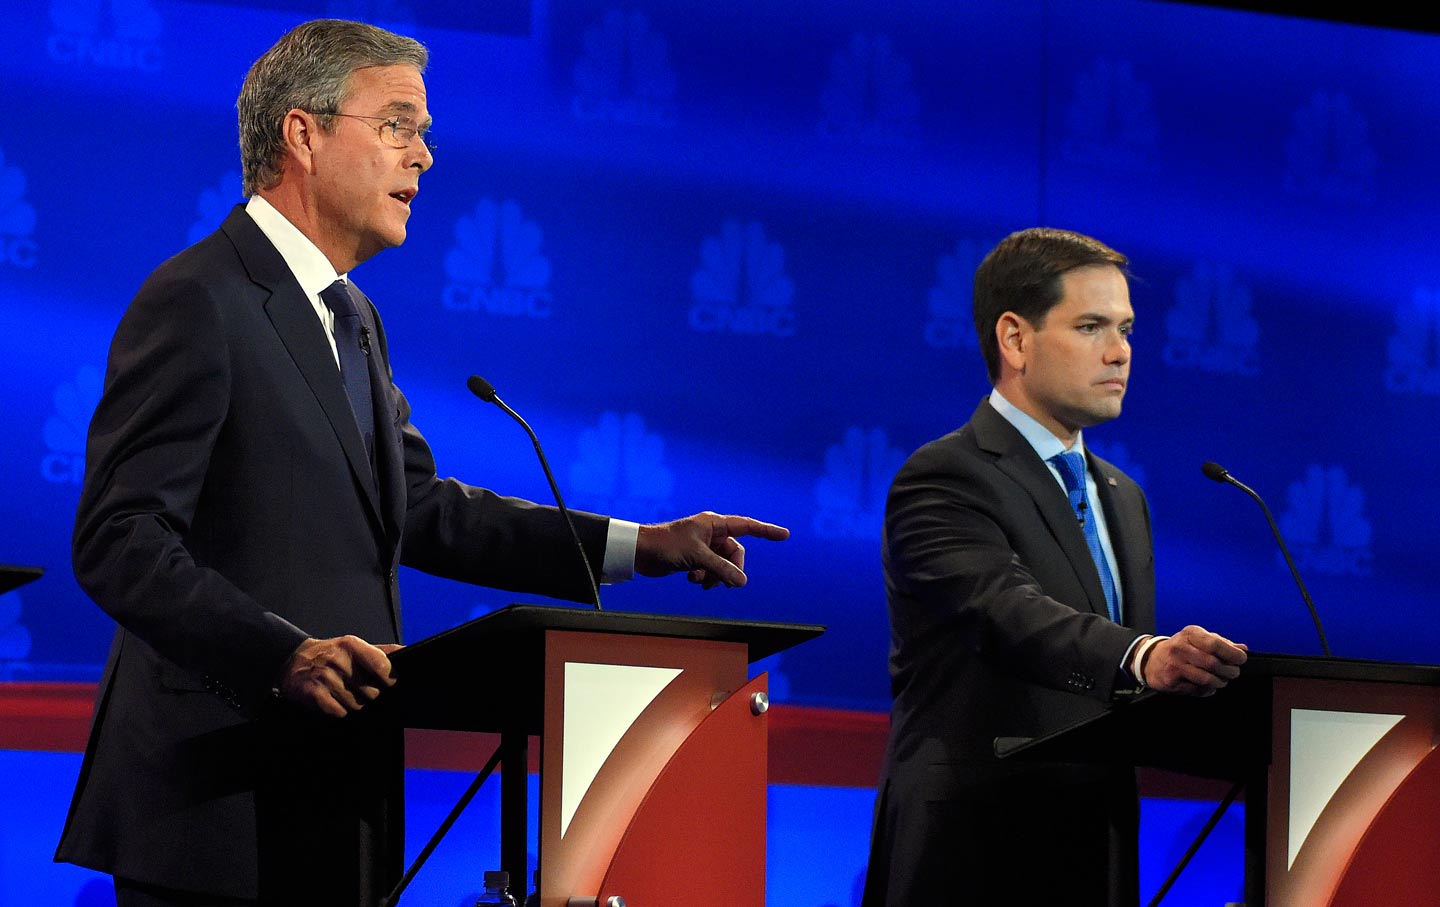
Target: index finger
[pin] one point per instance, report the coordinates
(1225, 650)
(716, 569)
(744, 525)
(373, 660)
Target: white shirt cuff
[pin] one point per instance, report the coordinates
(1135, 658)
(620, 546)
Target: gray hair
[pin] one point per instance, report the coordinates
(309, 69)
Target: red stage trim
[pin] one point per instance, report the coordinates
(808, 746)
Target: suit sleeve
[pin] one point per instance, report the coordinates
(958, 552)
(167, 384)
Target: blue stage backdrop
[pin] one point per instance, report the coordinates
(719, 254)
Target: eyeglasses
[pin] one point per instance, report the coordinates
(397, 132)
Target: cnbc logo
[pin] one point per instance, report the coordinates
(624, 75)
(496, 265)
(1328, 154)
(14, 637)
(870, 98)
(65, 430)
(1325, 522)
(741, 285)
(621, 467)
(17, 219)
(850, 495)
(1111, 121)
(112, 34)
(1211, 328)
(1414, 349)
(952, 318)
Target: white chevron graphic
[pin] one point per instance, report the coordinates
(601, 702)
(1325, 747)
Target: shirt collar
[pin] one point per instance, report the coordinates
(1038, 436)
(305, 260)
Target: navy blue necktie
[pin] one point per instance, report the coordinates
(352, 342)
(1071, 465)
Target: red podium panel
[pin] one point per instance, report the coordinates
(1338, 758)
(653, 744)
(1399, 853)
(707, 801)
(1343, 752)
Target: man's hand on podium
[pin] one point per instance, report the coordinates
(336, 676)
(1193, 662)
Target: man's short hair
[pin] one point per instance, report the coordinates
(309, 69)
(1022, 275)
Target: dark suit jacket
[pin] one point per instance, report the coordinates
(228, 512)
(999, 628)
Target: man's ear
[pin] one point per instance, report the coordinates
(1012, 335)
(299, 130)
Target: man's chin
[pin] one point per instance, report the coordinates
(389, 240)
(1103, 412)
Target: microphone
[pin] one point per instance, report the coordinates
(365, 339)
(486, 391)
(1218, 473)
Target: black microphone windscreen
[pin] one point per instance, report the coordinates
(481, 388)
(1212, 470)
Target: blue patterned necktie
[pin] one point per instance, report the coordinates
(352, 342)
(1071, 465)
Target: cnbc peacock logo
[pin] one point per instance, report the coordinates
(1325, 522)
(850, 494)
(110, 34)
(741, 285)
(624, 74)
(1211, 328)
(17, 219)
(65, 429)
(496, 265)
(622, 468)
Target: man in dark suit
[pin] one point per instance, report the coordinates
(254, 482)
(1022, 599)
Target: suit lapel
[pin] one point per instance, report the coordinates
(1018, 460)
(293, 318)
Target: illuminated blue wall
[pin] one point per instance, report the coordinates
(719, 255)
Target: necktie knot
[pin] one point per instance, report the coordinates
(338, 300)
(1071, 466)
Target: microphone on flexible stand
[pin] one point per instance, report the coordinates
(1218, 473)
(486, 391)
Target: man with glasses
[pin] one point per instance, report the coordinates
(253, 482)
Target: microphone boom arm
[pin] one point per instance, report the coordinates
(1221, 474)
(485, 391)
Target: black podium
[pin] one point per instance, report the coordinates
(1338, 760)
(652, 743)
(12, 577)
